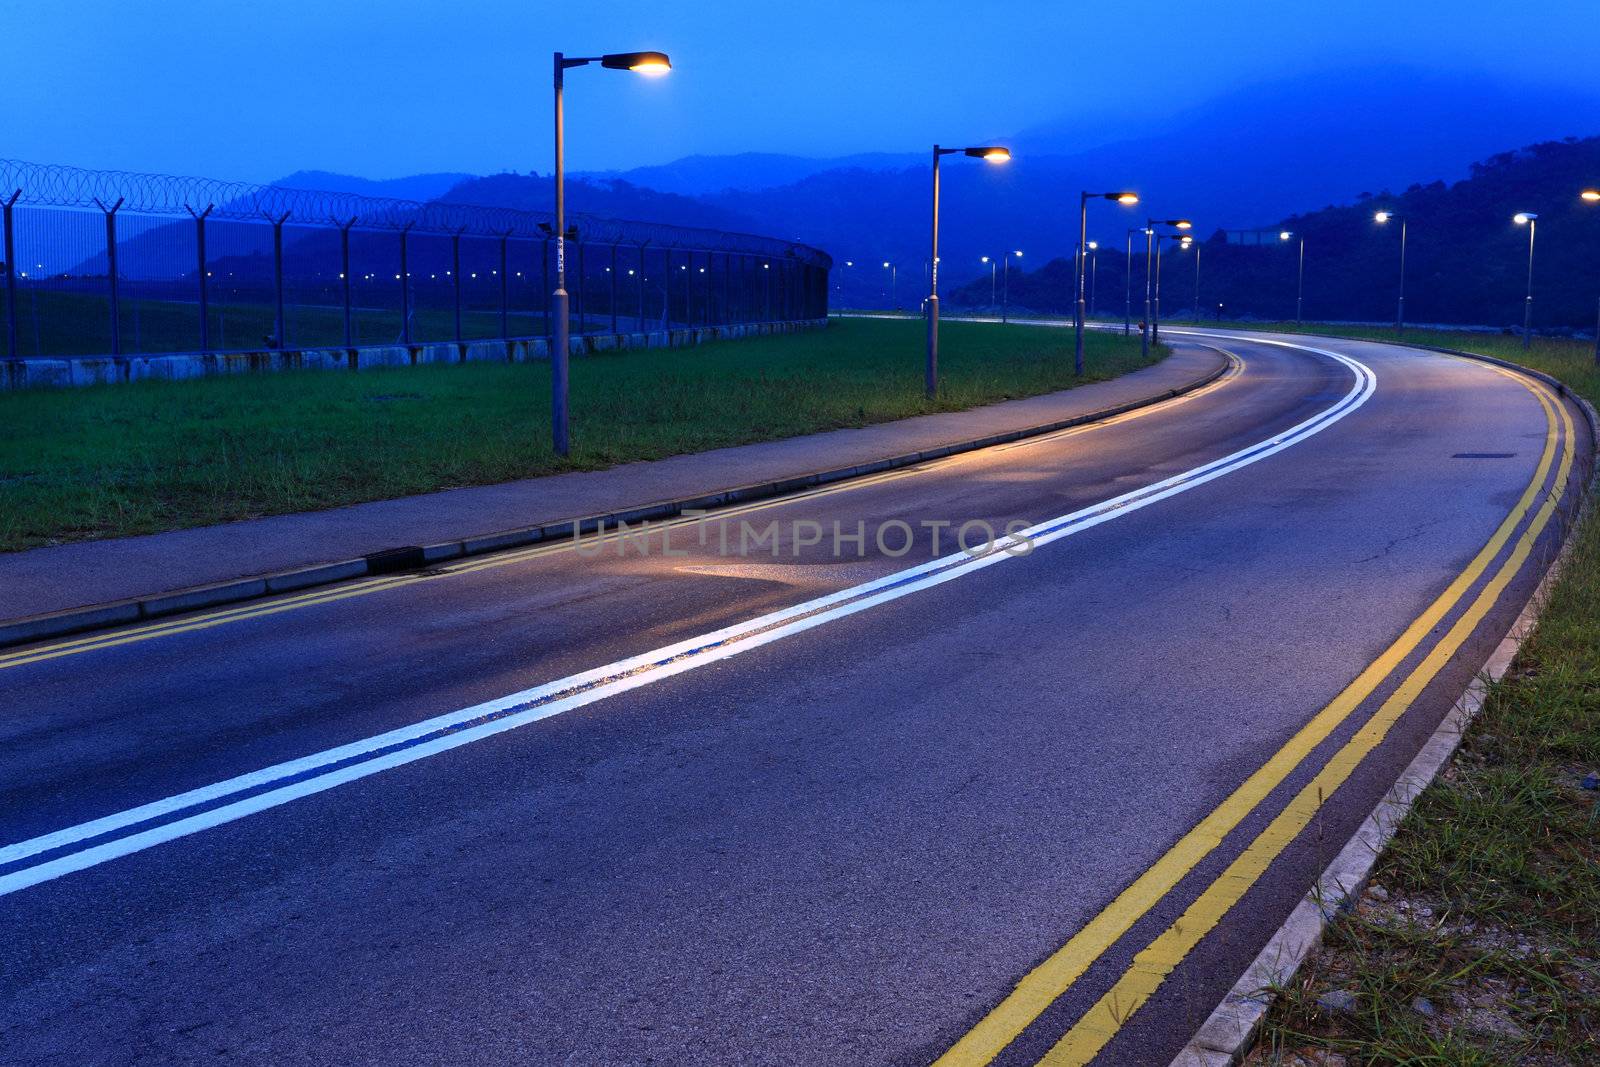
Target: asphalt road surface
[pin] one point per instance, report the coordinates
(835, 804)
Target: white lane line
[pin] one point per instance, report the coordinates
(283, 782)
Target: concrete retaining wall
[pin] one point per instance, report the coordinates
(105, 370)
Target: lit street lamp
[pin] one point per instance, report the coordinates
(992, 269)
(652, 63)
(894, 284)
(1593, 195)
(1124, 198)
(1400, 312)
(1531, 221)
(1094, 273)
(1127, 284)
(988, 153)
(1147, 334)
(1300, 286)
(1005, 286)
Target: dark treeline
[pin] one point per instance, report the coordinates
(1466, 260)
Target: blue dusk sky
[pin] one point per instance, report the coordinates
(254, 91)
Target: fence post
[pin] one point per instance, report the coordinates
(405, 286)
(111, 271)
(505, 296)
(614, 287)
(280, 338)
(205, 286)
(455, 272)
(666, 291)
(11, 275)
(727, 288)
(344, 276)
(638, 289)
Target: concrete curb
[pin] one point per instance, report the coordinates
(412, 557)
(1229, 1033)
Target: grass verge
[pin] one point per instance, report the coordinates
(108, 461)
(1478, 940)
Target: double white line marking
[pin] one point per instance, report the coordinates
(75, 848)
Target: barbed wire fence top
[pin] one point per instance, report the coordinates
(113, 262)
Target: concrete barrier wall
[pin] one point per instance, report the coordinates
(106, 370)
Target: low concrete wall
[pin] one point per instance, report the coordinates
(105, 370)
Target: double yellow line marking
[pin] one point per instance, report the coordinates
(1047, 982)
(363, 587)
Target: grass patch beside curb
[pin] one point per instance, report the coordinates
(1478, 940)
(109, 461)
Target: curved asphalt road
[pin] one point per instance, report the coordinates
(844, 845)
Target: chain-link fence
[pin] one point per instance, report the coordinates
(110, 263)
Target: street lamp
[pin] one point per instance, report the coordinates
(1148, 333)
(651, 63)
(1094, 273)
(992, 269)
(1300, 285)
(989, 154)
(1593, 195)
(1400, 312)
(1127, 284)
(1531, 221)
(894, 283)
(1005, 286)
(1127, 200)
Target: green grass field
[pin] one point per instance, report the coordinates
(1481, 945)
(113, 460)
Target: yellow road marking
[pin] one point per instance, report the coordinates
(1151, 966)
(1045, 983)
(362, 587)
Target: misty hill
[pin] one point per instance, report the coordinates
(1466, 258)
(612, 198)
(423, 187)
(1239, 160)
(698, 175)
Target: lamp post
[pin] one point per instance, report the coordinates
(1124, 198)
(1300, 285)
(1147, 333)
(653, 63)
(1531, 221)
(894, 284)
(990, 154)
(1127, 284)
(1400, 310)
(1005, 287)
(1593, 196)
(1094, 273)
(992, 271)
(1196, 278)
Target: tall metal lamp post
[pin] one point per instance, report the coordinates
(1300, 284)
(1152, 246)
(652, 63)
(1124, 198)
(1127, 284)
(1005, 286)
(1593, 196)
(992, 154)
(993, 285)
(1531, 221)
(1400, 309)
(1094, 273)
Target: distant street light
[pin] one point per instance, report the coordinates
(1127, 284)
(1005, 286)
(1094, 273)
(894, 283)
(1300, 285)
(652, 63)
(1400, 311)
(1593, 195)
(1126, 199)
(990, 154)
(992, 270)
(1152, 310)
(1531, 221)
